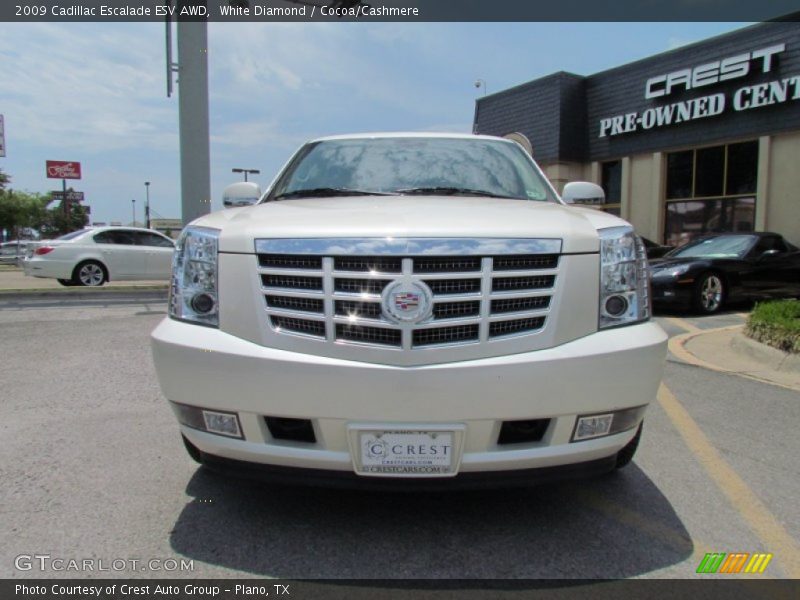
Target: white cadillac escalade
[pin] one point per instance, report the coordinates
(410, 309)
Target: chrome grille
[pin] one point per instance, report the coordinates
(509, 327)
(361, 310)
(477, 297)
(520, 304)
(455, 310)
(292, 282)
(442, 287)
(372, 287)
(278, 261)
(525, 263)
(369, 335)
(503, 284)
(446, 335)
(304, 326)
(444, 264)
(376, 264)
(313, 305)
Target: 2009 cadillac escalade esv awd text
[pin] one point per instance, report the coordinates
(406, 309)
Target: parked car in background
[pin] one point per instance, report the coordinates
(655, 250)
(91, 257)
(12, 252)
(710, 271)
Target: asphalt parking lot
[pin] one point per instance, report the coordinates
(92, 466)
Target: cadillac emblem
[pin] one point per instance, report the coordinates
(407, 300)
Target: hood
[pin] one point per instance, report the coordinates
(406, 216)
(663, 263)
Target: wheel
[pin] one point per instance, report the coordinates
(193, 450)
(625, 456)
(90, 273)
(709, 293)
(66, 282)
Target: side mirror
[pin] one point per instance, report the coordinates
(243, 193)
(583, 192)
(768, 253)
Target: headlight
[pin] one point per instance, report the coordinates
(624, 287)
(193, 291)
(670, 272)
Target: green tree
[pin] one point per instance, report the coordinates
(20, 210)
(56, 221)
(4, 180)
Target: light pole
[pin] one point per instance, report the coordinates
(147, 204)
(481, 83)
(133, 210)
(246, 171)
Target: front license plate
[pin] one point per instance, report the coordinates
(406, 453)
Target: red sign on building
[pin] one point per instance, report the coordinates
(62, 169)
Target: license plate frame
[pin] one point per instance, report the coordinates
(367, 462)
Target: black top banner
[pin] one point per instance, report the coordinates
(396, 10)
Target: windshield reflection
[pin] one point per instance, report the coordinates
(407, 164)
(723, 246)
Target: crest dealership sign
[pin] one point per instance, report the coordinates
(720, 71)
(60, 169)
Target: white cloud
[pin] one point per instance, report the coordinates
(86, 85)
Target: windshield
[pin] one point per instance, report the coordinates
(73, 235)
(448, 166)
(723, 246)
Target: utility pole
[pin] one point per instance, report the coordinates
(192, 67)
(147, 204)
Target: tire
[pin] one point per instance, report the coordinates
(709, 293)
(90, 273)
(625, 456)
(193, 450)
(66, 282)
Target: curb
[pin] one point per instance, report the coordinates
(148, 292)
(783, 361)
(677, 346)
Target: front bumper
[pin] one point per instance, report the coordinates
(609, 370)
(672, 292)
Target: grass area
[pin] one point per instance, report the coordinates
(776, 323)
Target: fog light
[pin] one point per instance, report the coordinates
(592, 427)
(222, 423)
(588, 427)
(616, 306)
(212, 421)
(202, 303)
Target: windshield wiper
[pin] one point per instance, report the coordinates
(323, 192)
(451, 191)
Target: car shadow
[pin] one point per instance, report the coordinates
(732, 308)
(615, 526)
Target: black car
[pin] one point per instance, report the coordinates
(712, 270)
(655, 250)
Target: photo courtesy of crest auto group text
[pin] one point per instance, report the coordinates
(345, 299)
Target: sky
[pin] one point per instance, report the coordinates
(96, 93)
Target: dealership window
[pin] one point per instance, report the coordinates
(710, 190)
(611, 182)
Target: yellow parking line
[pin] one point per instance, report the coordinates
(683, 324)
(758, 517)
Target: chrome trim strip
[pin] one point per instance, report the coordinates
(327, 289)
(408, 246)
